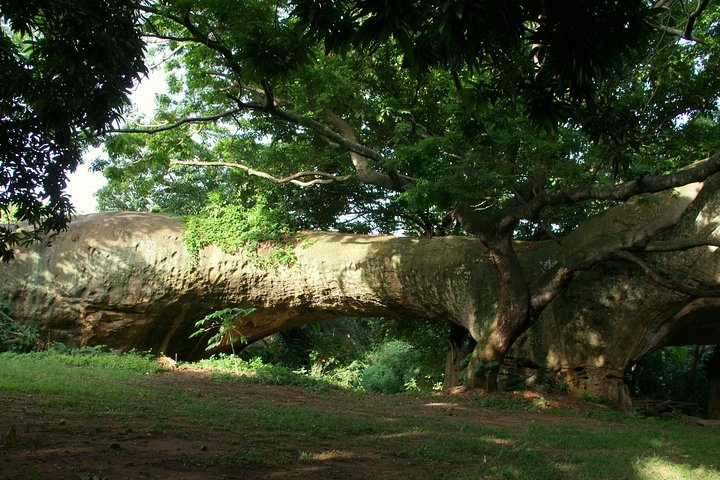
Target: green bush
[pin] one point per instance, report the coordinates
(233, 227)
(322, 348)
(257, 371)
(382, 378)
(392, 368)
(346, 376)
(376, 355)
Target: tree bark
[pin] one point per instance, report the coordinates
(692, 372)
(511, 317)
(460, 345)
(128, 280)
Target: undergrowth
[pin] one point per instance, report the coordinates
(227, 367)
(14, 336)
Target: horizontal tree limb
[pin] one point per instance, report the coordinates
(326, 178)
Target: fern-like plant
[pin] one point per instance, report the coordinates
(223, 326)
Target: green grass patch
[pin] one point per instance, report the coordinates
(311, 426)
(228, 368)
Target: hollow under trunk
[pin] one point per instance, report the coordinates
(460, 346)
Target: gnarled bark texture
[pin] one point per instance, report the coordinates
(609, 317)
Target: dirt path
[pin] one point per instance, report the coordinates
(42, 442)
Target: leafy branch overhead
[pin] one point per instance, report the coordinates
(66, 69)
(437, 115)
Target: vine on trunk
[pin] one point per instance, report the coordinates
(236, 227)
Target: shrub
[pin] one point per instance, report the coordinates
(233, 227)
(673, 373)
(391, 368)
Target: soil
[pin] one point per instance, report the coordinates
(37, 442)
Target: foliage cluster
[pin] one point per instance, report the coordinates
(15, 337)
(66, 68)
(256, 370)
(221, 325)
(392, 368)
(451, 107)
(236, 227)
(371, 355)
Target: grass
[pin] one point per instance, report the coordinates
(256, 371)
(475, 439)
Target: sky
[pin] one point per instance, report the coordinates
(83, 184)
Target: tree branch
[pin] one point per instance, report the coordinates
(360, 162)
(678, 33)
(198, 36)
(675, 285)
(269, 95)
(686, 31)
(345, 139)
(543, 296)
(326, 178)
(702, 240)
(162, 128)
(585, 256)
(697, 172)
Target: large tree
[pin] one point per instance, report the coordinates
(66, 68)
(497, 120)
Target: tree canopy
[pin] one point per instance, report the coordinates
(66, 68)
(417, 111)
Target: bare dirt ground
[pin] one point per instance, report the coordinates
(40, 443)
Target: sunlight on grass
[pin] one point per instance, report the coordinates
(325, 455)
(657, 468)
(472, 439)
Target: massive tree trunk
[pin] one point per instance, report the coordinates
(613, 314)
(127, 280)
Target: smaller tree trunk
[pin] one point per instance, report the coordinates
(460, 345)
(511, 319)
(483, 368)
(713, 377)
